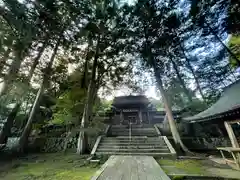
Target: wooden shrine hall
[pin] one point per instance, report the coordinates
(136, 110)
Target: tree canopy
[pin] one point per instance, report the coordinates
(59, 57)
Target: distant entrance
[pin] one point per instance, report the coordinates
(130, 117)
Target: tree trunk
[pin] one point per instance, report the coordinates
(196, 80)
(82, 139)
(13, 70)
(84, 83)
(82, 143)
(228, 50)
(68, 135)
(11, 76)
(189, 65)
(173, 127)
(186, 91)
(92, 101)
(36, 60)
(6, 130)
(8, 80)
(4, 59)
(14, 111)
(27, 130)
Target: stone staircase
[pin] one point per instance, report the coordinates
(136, 130)
(143, 140)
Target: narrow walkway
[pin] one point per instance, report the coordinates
(130, 168)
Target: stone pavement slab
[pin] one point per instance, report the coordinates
(130, 168)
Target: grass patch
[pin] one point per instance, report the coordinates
(188, 166)
(51, 167)
(166, 162)
(191, 166)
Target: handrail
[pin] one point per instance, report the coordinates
(130, 131)
(169, 145)
(96, 145)
(156, 128)
(107, 129)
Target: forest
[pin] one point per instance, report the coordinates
(59, 59)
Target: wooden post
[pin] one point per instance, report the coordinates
(121, 117)
(231, 135)
(233, 140)
(140, 116)
(149, 122)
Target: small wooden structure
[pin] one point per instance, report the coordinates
(234, 150)
(235, 154)
(224, 113)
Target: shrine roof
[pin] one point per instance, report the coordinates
(122, 101)
(228, 104)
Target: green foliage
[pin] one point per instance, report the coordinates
(105, 105)
(234, 44)
(69, 106)
(112, 45)
(157, 104)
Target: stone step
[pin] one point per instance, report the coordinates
(139, 132)
(134, 143)
(136, 154)
(133, 137)
(133, 129)
(133, 126)
(104, 146)
(132, 146)
(132, 150)
(115, 135)
(132, 134)
(136, 130)
(131, 140)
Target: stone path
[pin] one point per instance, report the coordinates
(130, 168)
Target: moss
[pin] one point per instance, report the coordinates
(52, 167)
(166, 162)
(191, 166)
(188, 166)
